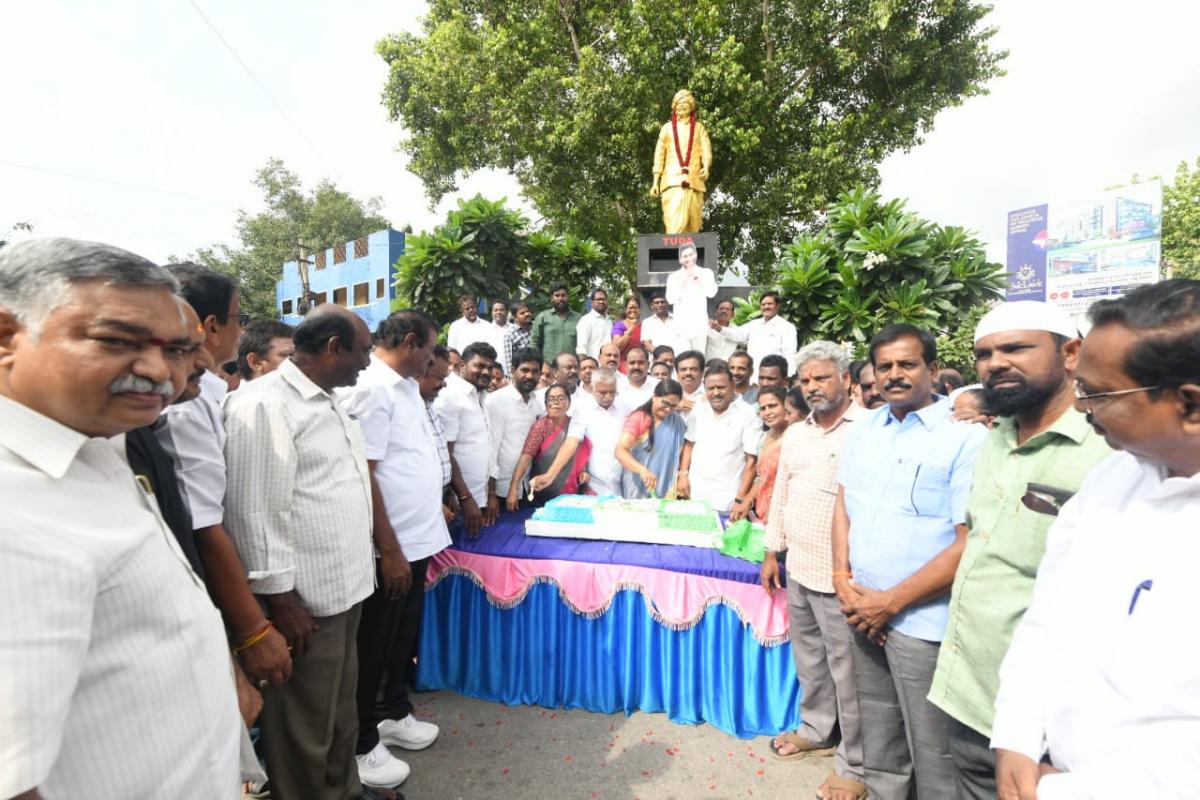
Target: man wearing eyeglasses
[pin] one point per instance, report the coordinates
(1038, 451)
(1100, 690)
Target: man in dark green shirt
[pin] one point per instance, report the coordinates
(554, 328)
(1036, 456)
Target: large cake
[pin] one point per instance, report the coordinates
(573, 516)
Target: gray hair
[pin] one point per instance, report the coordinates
(823, 351)
(603, 375)
(36, 276)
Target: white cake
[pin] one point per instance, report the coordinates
(686, 522)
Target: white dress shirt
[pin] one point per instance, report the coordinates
(298, 498)
(718, 346)
(688, 296)
(721, 443)
(659, 332)
(697, 396)
(463, 333)
(593, 332)
(1100, 673)
(195, 437)
(459, 406)
(602, 427)
(763, 338)
(399, 436)
(630, 397)
(115, 675)
(509, 417)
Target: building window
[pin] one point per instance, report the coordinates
(320, 297)
(287, 307)
(380, 289)
(339, 253)
(361, 249)
(339, 296)
(362, 294)
(320, 259)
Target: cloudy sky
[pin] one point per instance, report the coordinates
(134, 122)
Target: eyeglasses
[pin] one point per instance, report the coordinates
(243, 318)
(557, 399)
(1086, 398)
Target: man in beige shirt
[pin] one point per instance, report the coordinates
(799, 522)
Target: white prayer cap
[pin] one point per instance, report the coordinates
(1026, 315)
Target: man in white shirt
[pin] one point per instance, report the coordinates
(689, 368)
(298, 506)
(409, 529)
(659, 328)
(497, 332)
(106, 624)
(460, 408)
(770, 334)
(609, 357)
(741, 367)
(602, 426)
(566, 372)
(1097, 698)
(510, 413)
(469, 327)
(595, 328)
(721, 445)
(194, 436)
(263, 346)
(717, 345)
(688, 290)
(638, 386)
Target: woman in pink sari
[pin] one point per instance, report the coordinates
(545, 437)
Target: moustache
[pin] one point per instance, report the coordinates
(1004, 376)
(899, 384)
(814, 396)
(132, 384)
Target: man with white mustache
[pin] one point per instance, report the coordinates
(107, 624)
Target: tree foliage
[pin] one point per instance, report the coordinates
(801, 99)
(488, 250)
(874, 263)
(322, 217)
(1181, 222)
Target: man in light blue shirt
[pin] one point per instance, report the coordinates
(899, 528)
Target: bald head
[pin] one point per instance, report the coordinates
(333, 345)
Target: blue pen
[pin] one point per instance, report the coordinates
(1145, 585)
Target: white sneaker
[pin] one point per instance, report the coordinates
(409, 733)
(381, 768)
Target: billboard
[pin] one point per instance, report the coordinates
(1073, 254)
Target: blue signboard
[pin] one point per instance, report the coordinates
(1027, 253)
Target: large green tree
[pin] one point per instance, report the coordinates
(490, 251)
(1181, 222)
(321, 217)
(801, 99)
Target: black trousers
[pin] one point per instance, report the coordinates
(974, 763)
(387, 637)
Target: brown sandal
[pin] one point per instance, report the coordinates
(804, 747)
(834, 781)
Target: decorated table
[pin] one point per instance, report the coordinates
(608, 626)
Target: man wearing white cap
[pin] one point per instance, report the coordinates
(1035, 458)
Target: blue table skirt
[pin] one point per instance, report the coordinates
(542, 653)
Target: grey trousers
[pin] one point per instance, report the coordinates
(828, 700)
(905, 738)
(310, 724)
(974, 763)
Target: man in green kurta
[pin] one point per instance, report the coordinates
(554, 328)
(1035, 457)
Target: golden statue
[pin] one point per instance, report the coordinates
(681, 164)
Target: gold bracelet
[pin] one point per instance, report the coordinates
(253, 640)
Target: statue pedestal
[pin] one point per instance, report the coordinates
(658, 256)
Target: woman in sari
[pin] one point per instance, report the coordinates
(542, 444)
(627, 332)
(650, 444)
(773, 413)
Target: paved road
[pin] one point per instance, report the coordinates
(500, 752)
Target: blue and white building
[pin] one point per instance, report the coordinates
(358, 275)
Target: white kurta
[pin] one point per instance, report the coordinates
(602, 427)
(1102, 674)
(459, 406)
(763, 338)
(721, 443)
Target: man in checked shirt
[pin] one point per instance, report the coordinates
(800, 522)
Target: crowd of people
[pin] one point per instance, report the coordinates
(233, 519)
